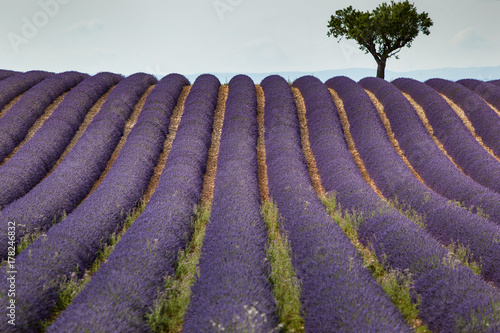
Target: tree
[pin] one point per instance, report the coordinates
(382, 32)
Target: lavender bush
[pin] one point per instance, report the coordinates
(5, 73)
(122, 291)
(338, 293)
(438, 172)
(381, 225)
(484, 120)
(233, 268)
(37, 156)
(460, 144)
(489, 92)
(443, 220)
(401, 243)
(75, 242)
(17, 84)
(495, 82)
(15, 124)
(71, 181)
(336, 166)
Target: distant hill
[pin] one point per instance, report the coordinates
(480, 73)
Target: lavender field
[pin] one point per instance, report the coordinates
(137, 204)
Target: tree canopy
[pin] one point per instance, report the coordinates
(382, 32)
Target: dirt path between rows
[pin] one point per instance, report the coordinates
(306, 145)
(213, 152)
(261, 146)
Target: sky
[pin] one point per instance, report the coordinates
(239, 36)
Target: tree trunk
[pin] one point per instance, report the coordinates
(381, 68)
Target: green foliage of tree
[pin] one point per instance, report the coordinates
(382, 32)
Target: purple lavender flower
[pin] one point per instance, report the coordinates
(15, 124)
(233, 268)
(122, 291)
(495, 82)
(5, 73)
(489, 92)
(438, 172)
(338, 293)
(485, 121)
(76, 241)
(71, 181)
(37, 156)
(460, 144)
(339, 173)
(396, 240)
(17, 84)
(443, 220)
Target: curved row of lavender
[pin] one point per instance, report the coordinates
(338, 293)
(37, 156)
(459, 143)
(5, 73)
(489, 92)
(233, 268)
(443, 220)
(16, 122)
(76, 240)
(338, 171)
(495, 82)
(122, 291)
(401, 242)
(19, 83)
(485, 121)
(438, 172)
(71, 181)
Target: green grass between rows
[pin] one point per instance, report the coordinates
(395, 283)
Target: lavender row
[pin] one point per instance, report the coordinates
(459, 143)
(233, 267)
(335, 163)
(485, 121)
(395, 239)
(5, 73)
(435, 168)
(37, 156)
(338, 293)
(489, 92)
(122, 291)
(17, 84)
(401, 242)
(344, 176)
(76, 240)
(495, 82)
(15, 124)
(71, 181)
(443, 220)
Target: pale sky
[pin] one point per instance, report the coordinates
(242, 36)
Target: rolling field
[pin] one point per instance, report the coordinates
(136, 204)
